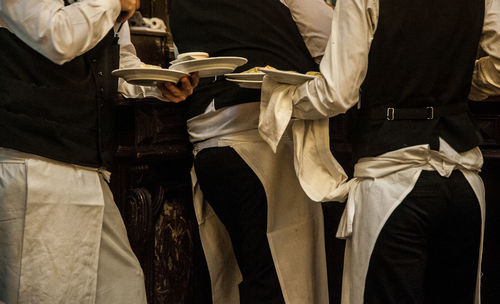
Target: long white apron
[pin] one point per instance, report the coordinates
(381, 185)
(51, 230)
(295, 227)
(55, 222)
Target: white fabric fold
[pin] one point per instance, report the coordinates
(276, 109)
(320, 175)
(222, 266)
(419, 157)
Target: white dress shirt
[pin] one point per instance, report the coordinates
(486, 79)
(129, 59)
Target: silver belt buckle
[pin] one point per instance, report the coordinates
(390, 114)
(431, 112)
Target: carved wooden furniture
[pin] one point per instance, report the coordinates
(151, 185)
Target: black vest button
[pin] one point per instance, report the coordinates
(100, 73)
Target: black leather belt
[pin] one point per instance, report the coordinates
(423, 113)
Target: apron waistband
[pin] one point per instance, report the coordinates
(15, 156)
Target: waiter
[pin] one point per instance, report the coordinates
(413, 220)
(62, 239)
(263, 239)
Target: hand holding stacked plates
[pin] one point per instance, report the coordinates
(186, 63)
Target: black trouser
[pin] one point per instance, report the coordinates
(428, 250)
(239, 200)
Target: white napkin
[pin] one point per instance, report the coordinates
(320, 175)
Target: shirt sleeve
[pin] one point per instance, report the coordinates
(129, 59)
(60, 32)
(344, 64)
(313, 19)
(486, 77)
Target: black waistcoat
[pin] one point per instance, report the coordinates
(262, 31)
(63, 112)
(422, 55)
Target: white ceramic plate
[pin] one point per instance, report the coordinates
(148, 76)
(248, 84)
(209, 67)
(189, 56)
(286, 76)
(246, 76)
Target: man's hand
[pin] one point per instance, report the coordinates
(180, 91)
(128, 9)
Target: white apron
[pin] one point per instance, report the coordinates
(295, 227)
(52, 239)
(381, 185)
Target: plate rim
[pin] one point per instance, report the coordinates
(245, 76)
(288, 73)
(244, 80)
(152, 75)
(248, 82)
(242, 73)
(207, 60)
(214, 58)
(116, 71)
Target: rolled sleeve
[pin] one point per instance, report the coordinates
(344, 64)
(486, 77)
(56, 31)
